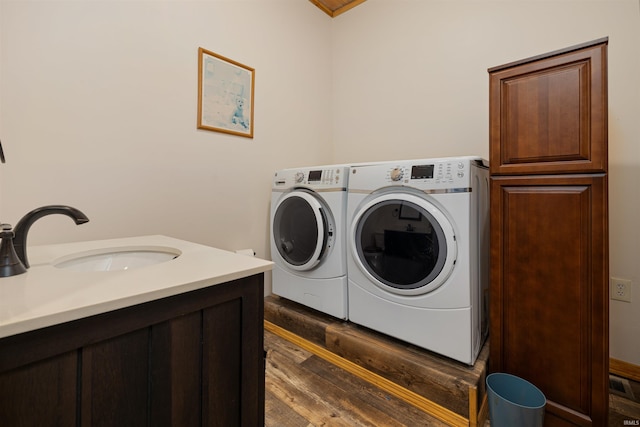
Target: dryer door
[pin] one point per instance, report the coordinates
(302, 230)
(403, 243)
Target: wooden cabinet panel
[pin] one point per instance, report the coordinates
(221, 388)
(114, 381)
(175, 360)
(45, 390)
(549, 293)
(548, 114)
(189, 360)
(549, 309)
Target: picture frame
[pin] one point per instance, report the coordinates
(225, 94)
(409, 213)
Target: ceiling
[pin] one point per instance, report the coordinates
(334, 8)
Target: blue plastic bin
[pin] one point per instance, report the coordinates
(514, 401)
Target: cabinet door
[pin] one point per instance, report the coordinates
(115, 381)
(188, 360)
(40, 393)
(549, 291)
(549, 114)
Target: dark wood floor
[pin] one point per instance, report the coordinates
(624, 406)
(304, 390)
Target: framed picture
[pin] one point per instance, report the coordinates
(225, 94)
(408, 212)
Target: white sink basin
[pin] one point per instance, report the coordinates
(117, 259)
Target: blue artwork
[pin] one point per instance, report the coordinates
(226, 95)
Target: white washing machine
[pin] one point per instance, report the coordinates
(418, 252)
(308, 237)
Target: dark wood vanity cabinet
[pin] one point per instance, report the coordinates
(549, 229)
(195, 359)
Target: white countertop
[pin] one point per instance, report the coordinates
(46, 295)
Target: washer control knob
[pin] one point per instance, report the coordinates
(299, 177)
(396, 174)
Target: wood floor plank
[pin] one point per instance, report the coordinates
(305, 390)
(621, 410)
(297, 318)
(280, 414)
(292, 351)
(438, 379)
(372, 398)
(288, 382)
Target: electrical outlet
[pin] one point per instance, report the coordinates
(621, 289)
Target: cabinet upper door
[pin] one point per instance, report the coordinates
(548, 114)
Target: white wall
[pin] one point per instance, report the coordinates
(411, 81)
(98, 102)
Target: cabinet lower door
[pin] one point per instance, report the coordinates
(549, 291)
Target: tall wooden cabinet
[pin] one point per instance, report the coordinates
(549, 229)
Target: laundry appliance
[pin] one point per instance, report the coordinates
(308, 237)
(418, 252)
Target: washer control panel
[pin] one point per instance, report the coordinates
(396, 174)
(317, 178)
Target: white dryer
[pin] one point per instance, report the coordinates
(308, 240)
(418, 252)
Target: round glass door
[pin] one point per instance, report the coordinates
(404, 244)
(301, 230)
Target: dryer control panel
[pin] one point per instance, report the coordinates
(437, 174)
(324, 177)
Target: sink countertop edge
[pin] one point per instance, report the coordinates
(46, 295)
